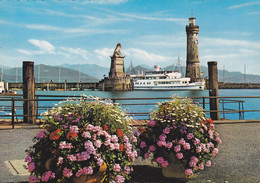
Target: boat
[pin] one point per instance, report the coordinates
(164, 80)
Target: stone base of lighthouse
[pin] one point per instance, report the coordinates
(116, 84)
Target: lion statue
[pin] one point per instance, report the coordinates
(117, 51)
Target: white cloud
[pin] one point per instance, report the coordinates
(243, 5)
(105, 1)
(146, 57)
(74, 51)
(254, 13)
(103, 54)
(44, 48)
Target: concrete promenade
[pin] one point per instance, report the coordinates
(237, 162)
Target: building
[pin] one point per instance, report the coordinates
(192, 63)
(117, 80)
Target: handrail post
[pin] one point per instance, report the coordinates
(13, 107)
(213, 89)
(203, 101)
(36, 107)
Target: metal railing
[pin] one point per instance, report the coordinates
(136, 107)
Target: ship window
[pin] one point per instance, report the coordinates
(149, 83)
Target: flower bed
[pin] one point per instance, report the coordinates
(79, 137)
(179, 126)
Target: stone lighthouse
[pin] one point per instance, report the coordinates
(193, 63)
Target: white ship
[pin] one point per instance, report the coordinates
(164, 80)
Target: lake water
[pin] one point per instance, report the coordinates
(249, 104)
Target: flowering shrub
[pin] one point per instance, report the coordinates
(179, 126)
(79, 137)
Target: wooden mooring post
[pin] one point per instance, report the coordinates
(213, 90)
(28, 91)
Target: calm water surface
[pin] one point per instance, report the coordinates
(249, 104)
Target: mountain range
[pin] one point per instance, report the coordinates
(93, 73)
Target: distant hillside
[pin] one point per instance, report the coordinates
(88, 72)
(48, 73)
(89, 69)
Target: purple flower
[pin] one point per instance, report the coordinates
(151, 123)
(117, 168)
(31, 166)
(160, 160)
(166, 130)
(152, 148)
(47, 175)
(177, 148)
(28, 159)
(33, 179)
(146, 155)
(190, 136)
(120, 179)
(41, 134)
(143, 144)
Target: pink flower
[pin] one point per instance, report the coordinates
(28, 159)
(196, 141)
(31, 166)
(60, 160)
(188, 172)
(79, 173)
(89, 127)
(88, 170)
(120, 179)
(117, 146)
(114, 138)
(186, 146)
(182, 141)
(219, 140)
(192, 164)
(201, 130)
(169, 145)
(74, 129)
(127, 169)
(86, 135)
(210, 132)
(212, 126)
(160, 160)
(160, 143)
(72, 157)
(201, 166)
(41, 134)
(100, 161)
(190, 136)
(146, 155)
(166, 130)
(112, 147)
(215, 152)
(97, 143)
(177, 148)
(143, 144)
(117, 168)
(165, 164)
(152, 148)
(47, 175)
(33, 179)
(179, 155)
(208, 163)
(195, 159)
(162, 137)
(151, 123)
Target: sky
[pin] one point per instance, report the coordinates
(56, 32)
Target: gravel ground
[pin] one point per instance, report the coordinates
(237, 162)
